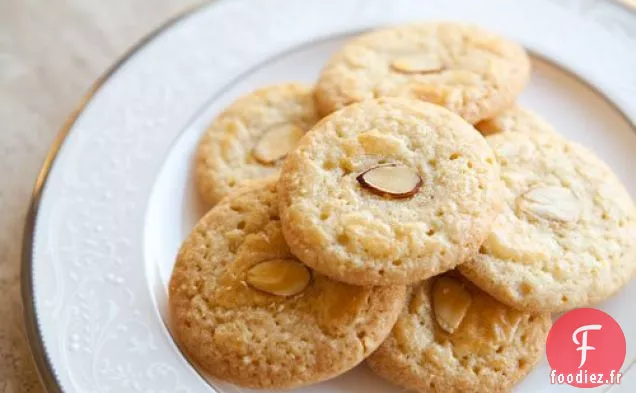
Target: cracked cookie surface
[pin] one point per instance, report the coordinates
(565, 238)
(492, 347)
(425, 207)
(253, 326)
(249, 139)
(471, 71)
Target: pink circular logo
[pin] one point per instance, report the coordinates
(585, 348)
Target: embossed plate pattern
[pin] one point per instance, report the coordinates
(115, 198)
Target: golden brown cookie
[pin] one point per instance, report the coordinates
(251, 137)
(245, 310)
(471, 71)
(565, 238)
(388, 191)
(515, 119)
(454, 338)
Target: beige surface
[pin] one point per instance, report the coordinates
(50, 53)
(629, 2)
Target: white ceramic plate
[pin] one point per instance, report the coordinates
(115, 198)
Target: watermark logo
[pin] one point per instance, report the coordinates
(585, 348)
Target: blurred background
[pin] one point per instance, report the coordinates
(50, 53)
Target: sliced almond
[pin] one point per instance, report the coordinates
(551, 203)
(276, 142)
(450, 303)
(395, 181)
(281, 277)
(417, 64)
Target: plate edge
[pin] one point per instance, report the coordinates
(44, 369)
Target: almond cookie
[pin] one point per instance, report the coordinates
(469, 70)
(388, 191)
(453, 337)
(251, 137)
(245, 310)
(515, 119)
(565, 238)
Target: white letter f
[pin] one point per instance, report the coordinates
(584, 347)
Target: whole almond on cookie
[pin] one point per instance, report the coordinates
(282, 277)
(251, 137)
(248, 312)
(469, 70)
(368, 202)
(565, 236)
(453, 337)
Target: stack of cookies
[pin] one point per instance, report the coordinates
(404, 211)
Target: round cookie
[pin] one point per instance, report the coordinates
(515, 119)
(471, 71)
(453, 337)
(247, 312)
(388, 191)
(565, 238)
(251, 137)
